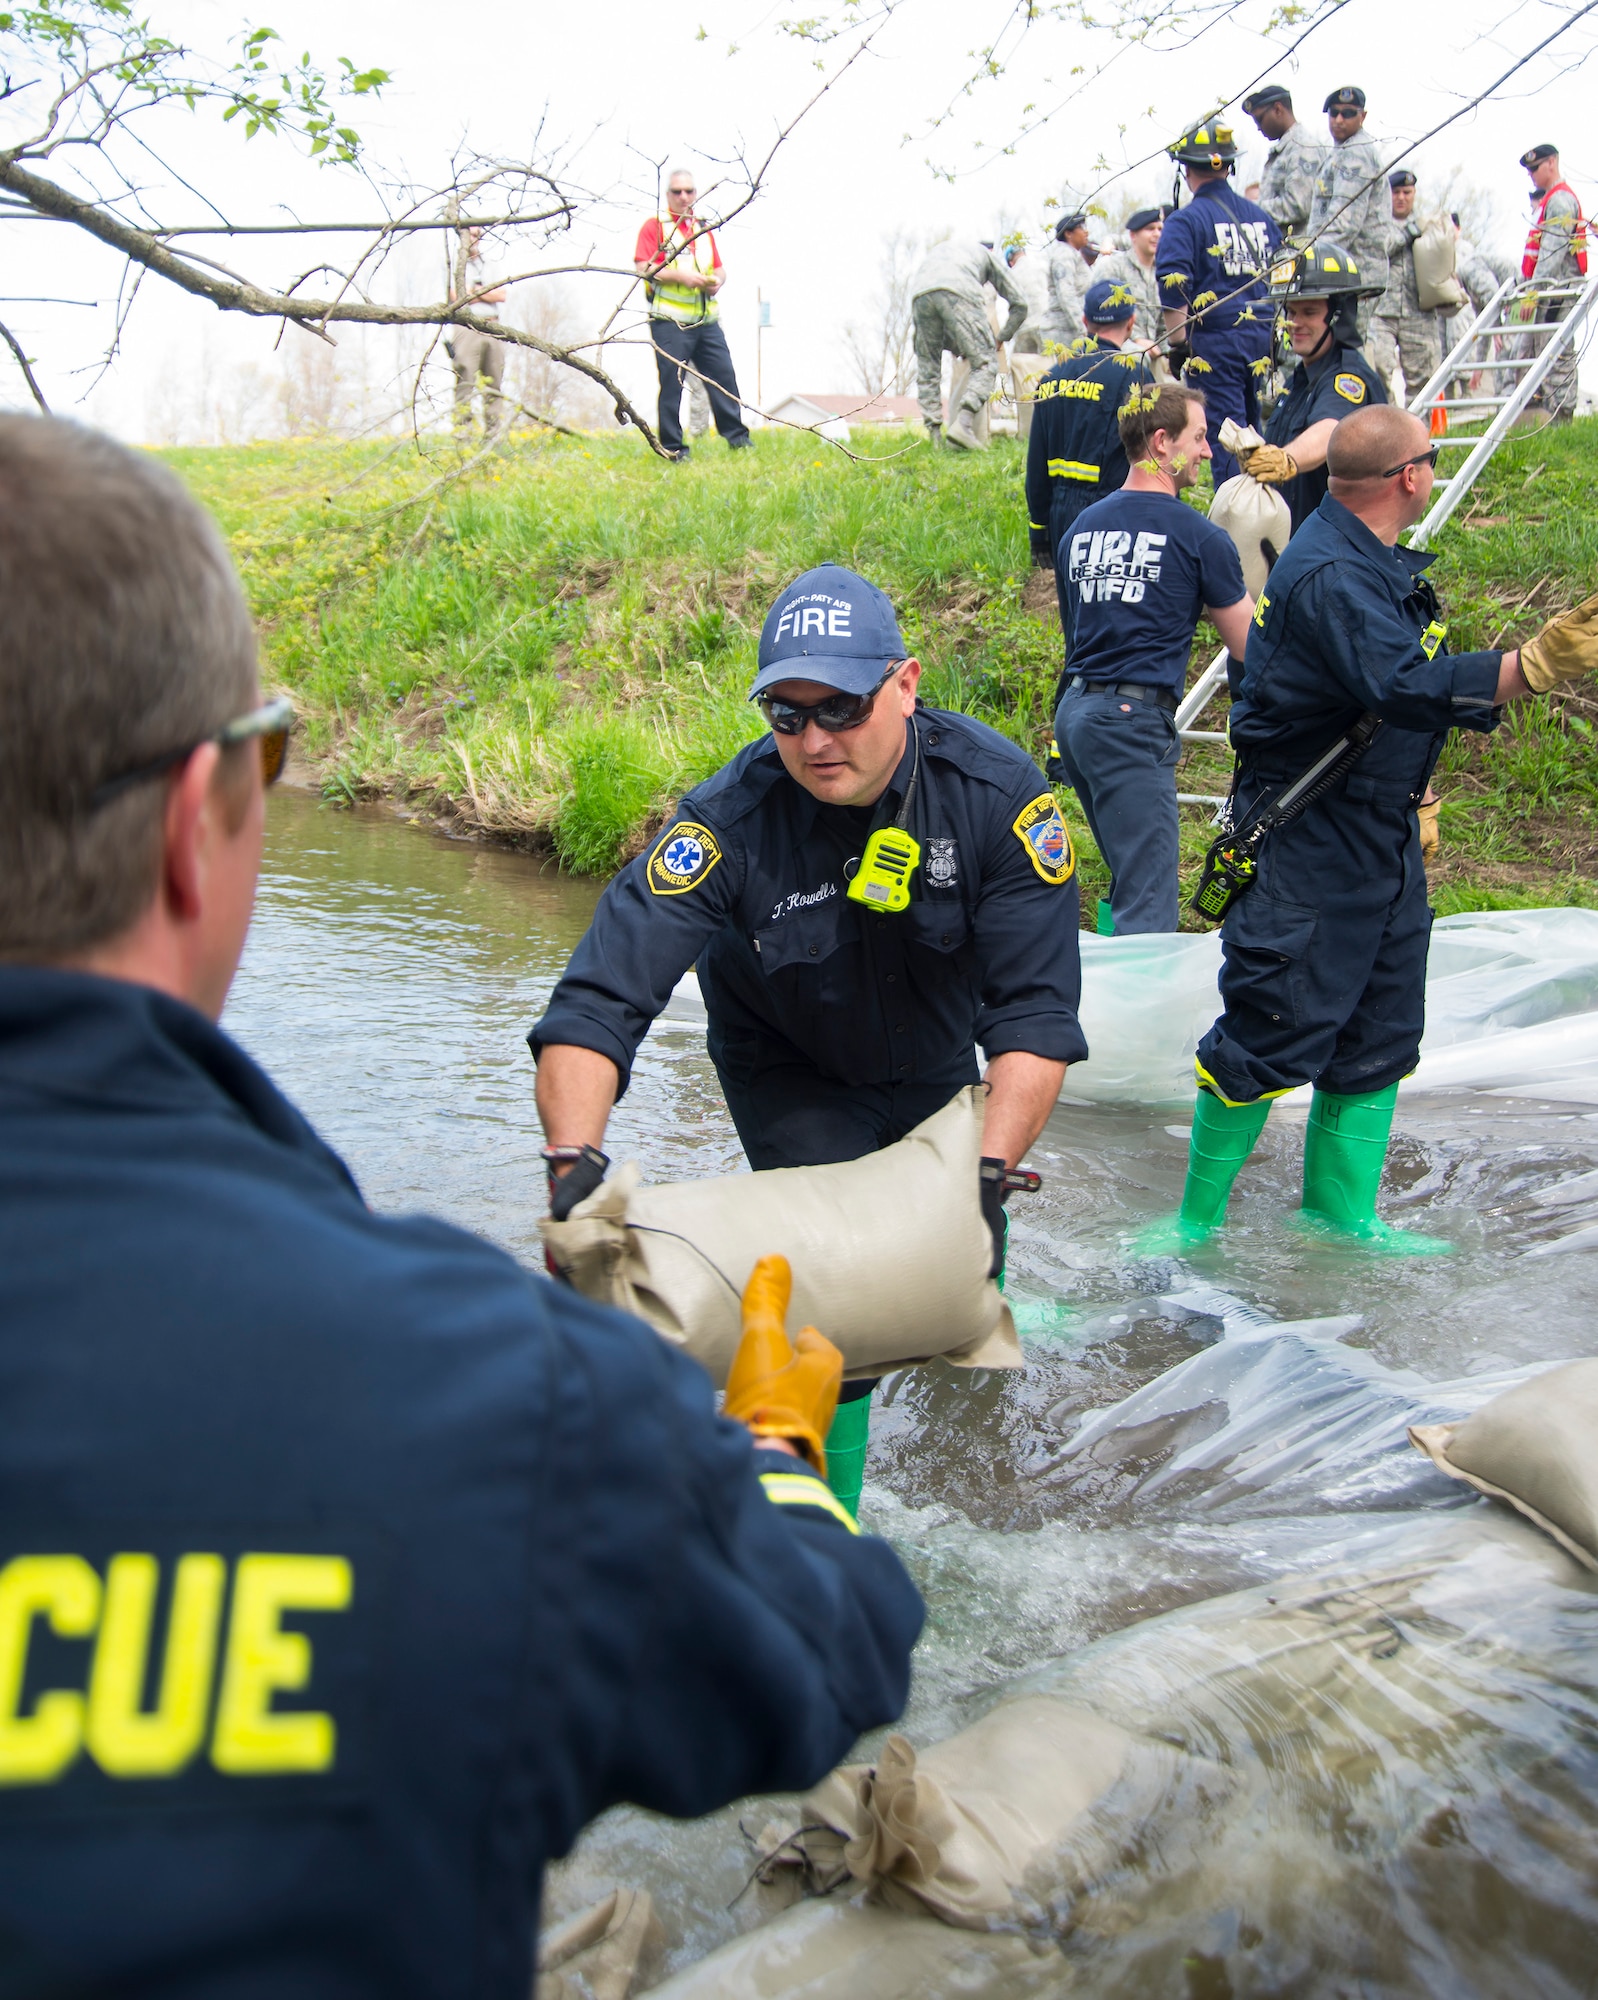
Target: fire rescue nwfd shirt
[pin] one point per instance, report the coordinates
(1142, 568)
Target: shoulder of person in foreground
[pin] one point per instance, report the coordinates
(977, 750)
(683, 1638)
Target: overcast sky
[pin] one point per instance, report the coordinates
(624, 86)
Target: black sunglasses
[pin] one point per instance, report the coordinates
(836, 714)
(270, 724)
(1424, 458)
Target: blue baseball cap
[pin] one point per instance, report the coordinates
(829, 626)
(1108, 304)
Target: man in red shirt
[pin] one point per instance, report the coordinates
(677, 258)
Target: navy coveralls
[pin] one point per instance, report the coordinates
(1335, 385)
(348, 1569)
(1211, 263)
(835, 1029)
(1323, 975)
(1075, 455)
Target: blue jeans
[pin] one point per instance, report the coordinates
(1119, 755)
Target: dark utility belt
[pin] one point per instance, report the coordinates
(1136, 690)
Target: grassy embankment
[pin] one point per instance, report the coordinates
(553, 650)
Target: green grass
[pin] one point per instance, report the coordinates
(553, 648)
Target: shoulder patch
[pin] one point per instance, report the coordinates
(684, 855)
(1041, 831)
(1350, 386)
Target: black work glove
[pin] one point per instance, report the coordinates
(1041, 558)
(1178, 355)
(579, 1180)
(991, 1180)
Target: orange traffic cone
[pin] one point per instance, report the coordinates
(1439, 423)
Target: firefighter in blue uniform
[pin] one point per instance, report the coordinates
(1211, 265)
(1324, 956)
(1318, 291)
(348, 1568)
(835, 1025)
(1075, 455)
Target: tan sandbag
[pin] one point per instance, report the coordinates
(608, 1952)
(1436, 253)
(1254, 516)
(890, 1253)
(954, 1829)
(1535, 1446)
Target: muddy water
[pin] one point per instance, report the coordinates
(389, 982)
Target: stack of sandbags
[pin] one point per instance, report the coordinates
(1371, 1776)
(889, 1253)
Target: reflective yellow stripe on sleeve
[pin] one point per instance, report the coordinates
(1038, 527)
(794, 1489)
(1072, 468)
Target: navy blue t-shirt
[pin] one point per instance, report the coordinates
(1142, 567)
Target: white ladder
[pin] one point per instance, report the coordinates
(1473, 352)
(1511, 379)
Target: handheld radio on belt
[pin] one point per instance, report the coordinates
(892, 856)
(1232, 864)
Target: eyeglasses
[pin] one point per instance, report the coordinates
(682, 190)
(1424, 458)
(271, 724)
(836, 714)
(1351, 112)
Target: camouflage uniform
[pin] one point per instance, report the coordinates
(1070, 274)
(1124, 269)
(949, 309)
(1287, 186)
(1556, 265)
(1352, 208)
(1402, 330)
(1480, 274)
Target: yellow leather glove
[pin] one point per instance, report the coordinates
(1430, 839)
(1270, 465)
(1565, 648)
(775, 1389)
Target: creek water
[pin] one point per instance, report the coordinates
(388, 984)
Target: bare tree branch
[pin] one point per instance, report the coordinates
(11, 341)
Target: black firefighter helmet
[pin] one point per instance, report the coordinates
(1325, 270)
(1208, 144)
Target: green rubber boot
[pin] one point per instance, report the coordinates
(846, 1451)
(1345, 1146)
(1223, 1137)
(1106, 918)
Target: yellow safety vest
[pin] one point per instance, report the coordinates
(686, 303)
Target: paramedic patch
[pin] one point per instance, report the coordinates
(1350, 387)
(683, 857)
(1042, 833)
(943, 863)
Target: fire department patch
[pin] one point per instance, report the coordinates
(684, 855)
(1350, 387)
(1041, 831)
(943, 863)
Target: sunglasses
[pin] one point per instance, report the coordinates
(270, 725)
(1343, 114)
(1424, 458)
(836, 714)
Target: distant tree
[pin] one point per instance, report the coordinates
(881, 347)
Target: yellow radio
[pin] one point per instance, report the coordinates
(882, 881)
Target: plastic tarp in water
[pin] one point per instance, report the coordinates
(1511, 1005)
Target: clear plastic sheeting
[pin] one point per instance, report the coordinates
(1379, 1779)
(1511, 1004)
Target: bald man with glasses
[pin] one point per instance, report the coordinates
(677, 257)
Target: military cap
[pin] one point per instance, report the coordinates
(1535, 155)
(1141, 218)
(1067, 223)
(1108, 304)
(1262, 100)
(1349, 98)
(1403, 178)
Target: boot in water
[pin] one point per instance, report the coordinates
(1345, 1145)
(1223, 1137)
(846, 1448)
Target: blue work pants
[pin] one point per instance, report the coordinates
(1323, 973)
(1226, 377)
(702, 347)
(1120, 755)
(788, 1115)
